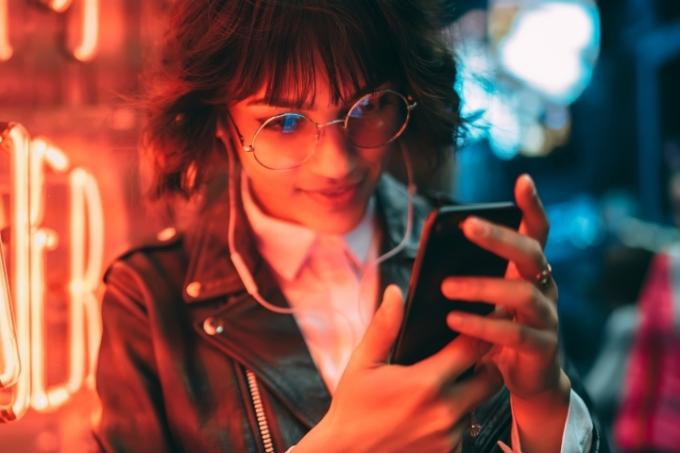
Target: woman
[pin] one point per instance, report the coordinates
(262, 326)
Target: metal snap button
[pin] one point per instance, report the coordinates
(193, 289)
(213, 326)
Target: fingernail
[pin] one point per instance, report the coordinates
(394, 291)
(530, 180)
(475, 227)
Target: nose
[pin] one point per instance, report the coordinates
(334, 157)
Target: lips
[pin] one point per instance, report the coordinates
(335, 196)
(338, 190)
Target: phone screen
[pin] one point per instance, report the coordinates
(444, 251)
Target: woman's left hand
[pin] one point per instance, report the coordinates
(523, 328)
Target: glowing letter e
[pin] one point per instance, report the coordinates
(9, 353)
(20, 155)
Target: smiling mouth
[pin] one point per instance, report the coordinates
(336, 196)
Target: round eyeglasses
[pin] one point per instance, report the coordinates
(288, 140)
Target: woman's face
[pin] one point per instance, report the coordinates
(330, 190)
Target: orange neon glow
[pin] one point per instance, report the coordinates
(42, 240)
(31, 242)
(87, 47)
(9, 354)
(41, 153)
(85, 272)
(58, 6)
(6, 50)
(20, 151)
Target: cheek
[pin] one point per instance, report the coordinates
(270, 185)
(272, 189)
(257, 174)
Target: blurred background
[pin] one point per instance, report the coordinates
(579, 93)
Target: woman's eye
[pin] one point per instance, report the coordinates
(287, 124)
(369, 105)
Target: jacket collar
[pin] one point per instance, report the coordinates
(268, 343)
(211, 272)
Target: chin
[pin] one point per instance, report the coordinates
(335, 222)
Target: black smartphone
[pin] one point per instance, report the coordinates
(445, 251)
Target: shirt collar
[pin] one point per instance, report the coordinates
(359, 240)
(288, 256)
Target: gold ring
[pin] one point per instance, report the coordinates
(543, 278)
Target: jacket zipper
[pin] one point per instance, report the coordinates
(262, 422)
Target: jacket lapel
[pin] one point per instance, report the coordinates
(272, 346)
(268, 343)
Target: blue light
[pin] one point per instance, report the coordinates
(577, 224)
(552, 47)
(520, 67)
(505, 134)
(475, 85)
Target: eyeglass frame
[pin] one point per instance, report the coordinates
(410, 105)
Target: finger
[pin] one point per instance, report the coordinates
(457, 435)
(484, 383)
(501, 332)
(453, 359)
(524, 251)
(501, 313)
(382, 331)
(535, 222)
(519, 296)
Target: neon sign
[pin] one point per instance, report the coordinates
(82, 38)
(9, 354)
(31, 241)
(58, 6)
(86, 34)
(6, 50)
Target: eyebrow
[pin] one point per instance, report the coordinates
(291, 104)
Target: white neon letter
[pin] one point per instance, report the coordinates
(86, 46)
(85, 271)
(58, 6)
(20, 266)
(9, 352)
(6, 50)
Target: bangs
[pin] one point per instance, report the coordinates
(287, 47)
(218, 52)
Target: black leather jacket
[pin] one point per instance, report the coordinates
(190, 362)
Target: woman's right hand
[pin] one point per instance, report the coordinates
(382, 407)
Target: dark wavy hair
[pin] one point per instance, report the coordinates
(217, 52)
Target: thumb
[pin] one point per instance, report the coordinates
(382, 332)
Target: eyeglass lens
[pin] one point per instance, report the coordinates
(287, 140)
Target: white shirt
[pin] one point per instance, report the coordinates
(331, 282)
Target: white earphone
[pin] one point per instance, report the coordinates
(237, 260)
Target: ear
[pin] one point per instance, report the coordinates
(227, 131)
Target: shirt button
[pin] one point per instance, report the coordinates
(193, 289)
(213, 326)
